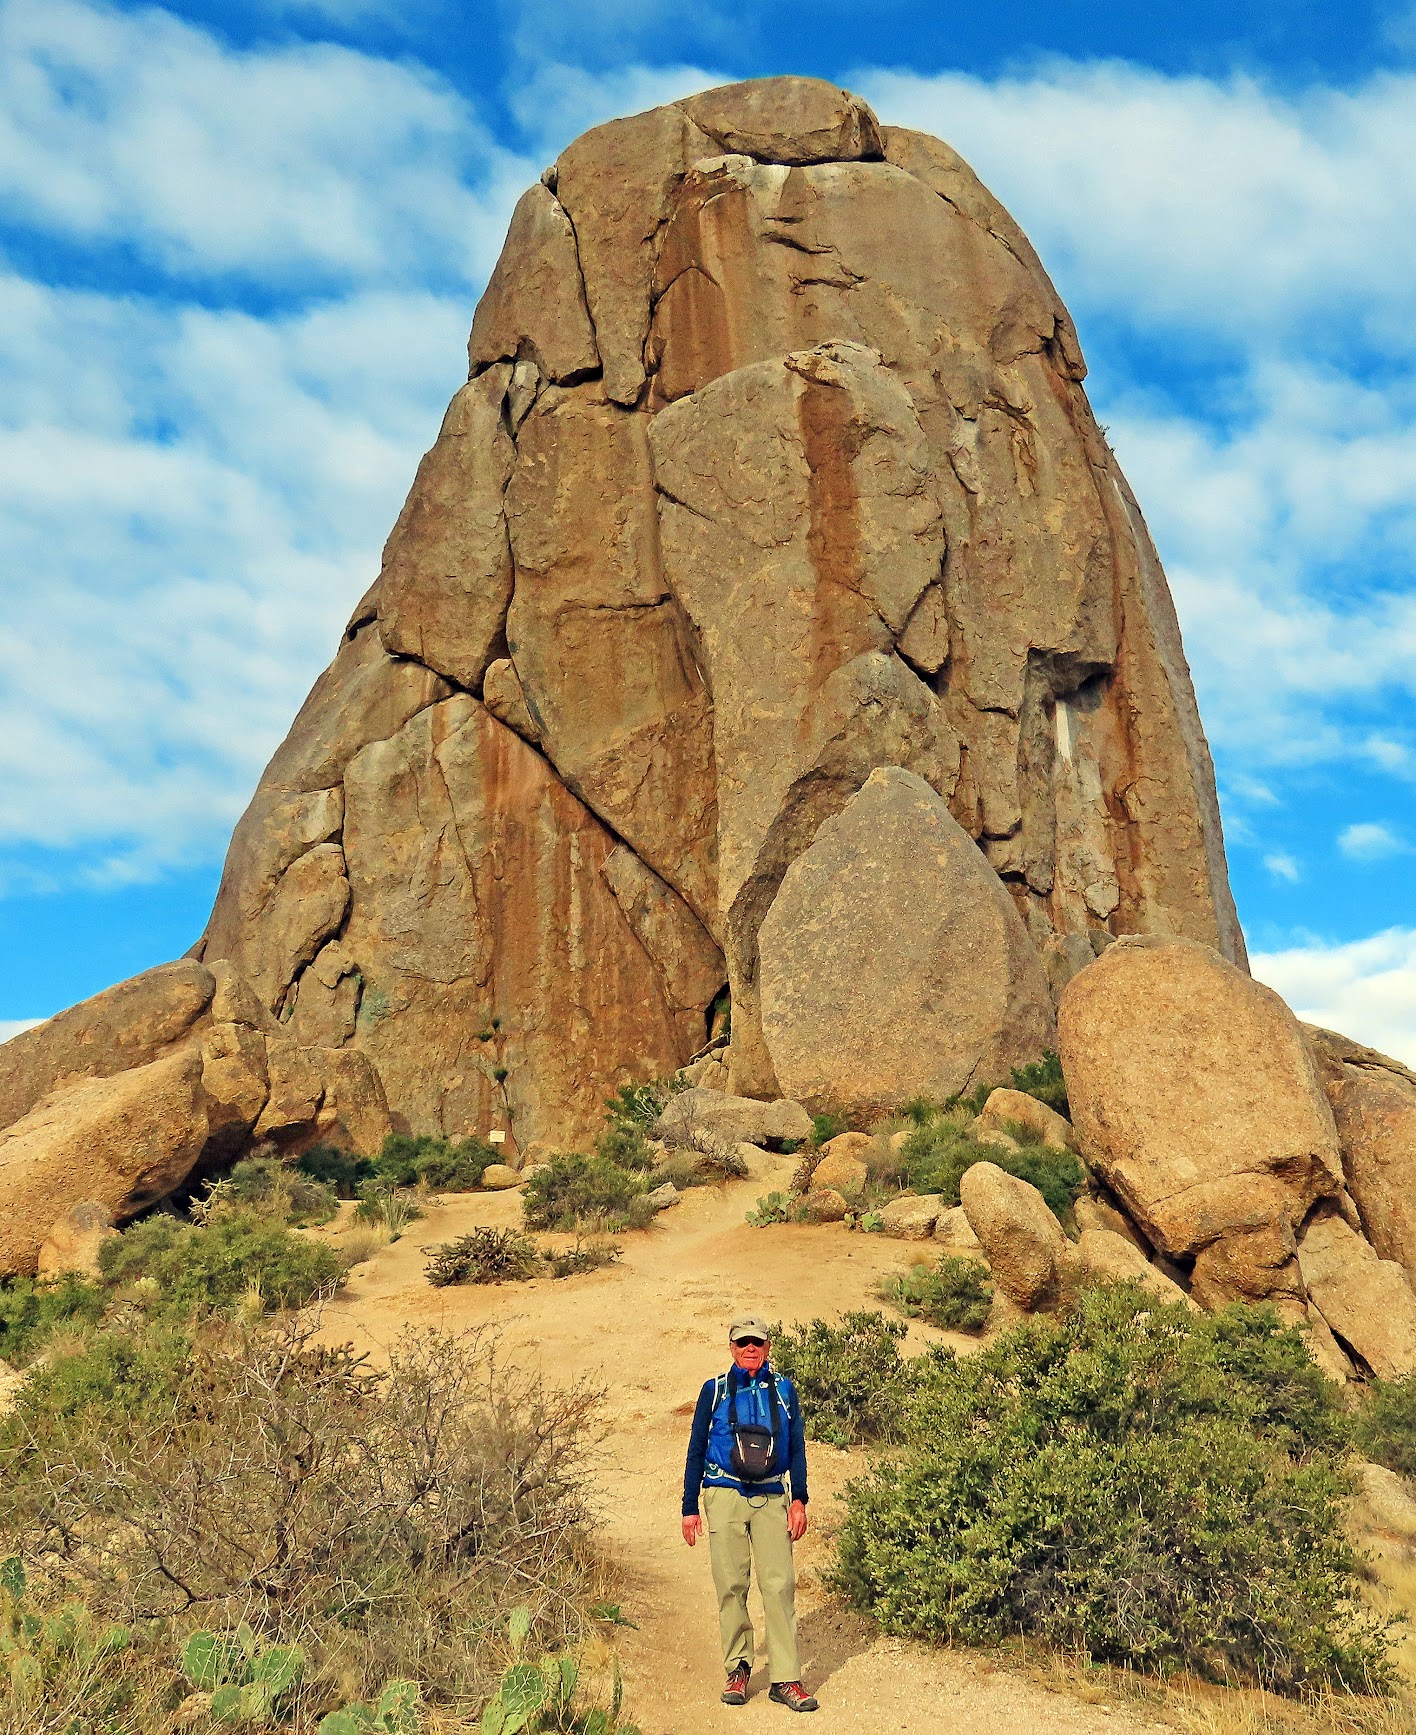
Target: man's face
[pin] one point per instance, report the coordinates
(750, 1356)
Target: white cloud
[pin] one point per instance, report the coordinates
(555, 103)
(13, 1026)
(1191, 201)
(1370, 841)
(133, 127)
(1283, 867)
(185, 536)
(1274, 236)
(1364, 988)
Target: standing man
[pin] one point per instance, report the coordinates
(746, 1447)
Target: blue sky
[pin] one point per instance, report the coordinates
(239, 249)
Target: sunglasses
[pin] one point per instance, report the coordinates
(750, 1342)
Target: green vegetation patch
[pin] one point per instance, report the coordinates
(953, 1294)
(935, 1156)
(1156, 1488)
(214, 1265)
(1386, 1425)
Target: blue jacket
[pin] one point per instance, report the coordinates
(710, 1442)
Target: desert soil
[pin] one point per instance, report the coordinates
(651, 1330)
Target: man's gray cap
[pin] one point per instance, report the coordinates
(747, 1325)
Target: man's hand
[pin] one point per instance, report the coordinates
(796, 1521)
(693, 1529)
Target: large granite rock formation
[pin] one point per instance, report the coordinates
(774, 469)
(1195, 1097)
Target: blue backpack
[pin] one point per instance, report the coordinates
(757, 1451)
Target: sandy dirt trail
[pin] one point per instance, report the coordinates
(651, 1330)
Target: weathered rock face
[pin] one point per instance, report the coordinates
(1366, 1300)
(1374, 1105)
(1195, 1097)
(123, 1098)
(1021, 1239)
(773, 472)
(893, 962)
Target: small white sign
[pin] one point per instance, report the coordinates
(498, 1137)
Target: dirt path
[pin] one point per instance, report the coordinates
(651, 1330)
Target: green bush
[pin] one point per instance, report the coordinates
(483, 1256)
(955, 1294)
(636, 1107)
(626, 1146)
(30, 1312)
(267, 1187)
(342, 1170)
(127, 1371)
(851, 1379)
(1386, 1425)
(1156, 1488)
(935, 1156)
(429, 1160)
(210, 1267)
(1043, 1079)
(825, 1127)
(580, 1192)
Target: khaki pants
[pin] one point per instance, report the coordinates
(741, 1532)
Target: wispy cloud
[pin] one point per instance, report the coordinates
(1370, 841)
(1366, 988)
(283, 163)
(1283, 867)
(13, 1026)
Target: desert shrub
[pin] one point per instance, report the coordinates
(383, 1203)
(953, 1294)
(627, 1146)
(935, 1156)
(483, 1256)
(212, 1266)
(380, 1520)
(1130, 1480)
(1385, 1426)
(579, 1192)
(30, 1312)
(342, 1170)
(851, 1379)
(429, 1160)
(825, 1127)
(921, 1110)
(636, 1107)
(267, 1187)
(582, 1257)
(128, 1372)
(1043, 1079)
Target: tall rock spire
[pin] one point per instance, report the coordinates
(774, 469)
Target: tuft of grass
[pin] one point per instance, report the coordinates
(382, 1202)
(584, 1256)
(362, 1242)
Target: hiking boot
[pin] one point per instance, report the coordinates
(793, 1695)
(735, 1693)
